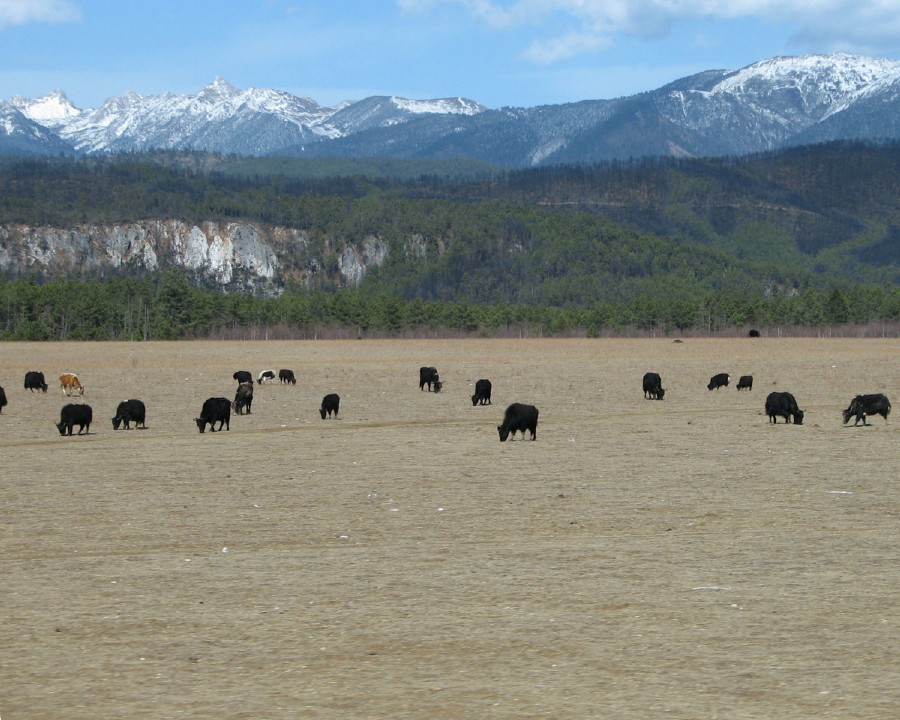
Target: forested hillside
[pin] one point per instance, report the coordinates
(667, 245)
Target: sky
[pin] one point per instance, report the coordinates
(500, 53)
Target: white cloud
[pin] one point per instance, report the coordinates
(585, 26)
(20, 12)
(563, 47)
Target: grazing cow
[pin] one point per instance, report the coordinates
(243, 398)
(287, 377)
(72, 415)
(519, 418)
(243, 376)
(717, 381)
(783, 404)
(266, 376)
(653, 389)
(753, 333)
(428, 376)
(482, 393)
(330, 404)
(2, 399)
(130, 411)
(215, 410)
(70, 383)
(862, 405)
(34, 380)
(745, 383)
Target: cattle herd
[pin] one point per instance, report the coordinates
(518, 417)
(781, 404)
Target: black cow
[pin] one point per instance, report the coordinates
(519, 418)
(287, 377)
(243, 398)
(2, 399)
(717, 381)
(330, 404)
(72, 415)
(482, 393)
(745, 383)
(243, 376)
(653, 389)
(783, 404)
(266, 376)
(753, 333)
(130, 411)
(862, 405)
(34, 380)
(429, 376)
(215, 410)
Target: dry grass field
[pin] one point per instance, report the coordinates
(681, 558)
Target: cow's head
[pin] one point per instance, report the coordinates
(116, 421)
(322, 412)
(659, 393)
(475, 399)
(798, 417)
(201, 424)
(61, 427)
(504, 433)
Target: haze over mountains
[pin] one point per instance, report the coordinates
(776, 103)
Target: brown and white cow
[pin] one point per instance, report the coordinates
(70, 383)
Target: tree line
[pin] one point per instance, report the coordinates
(165, 305)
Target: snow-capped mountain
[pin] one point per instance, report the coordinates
(51, 110)
(775, 103)
(19, 135)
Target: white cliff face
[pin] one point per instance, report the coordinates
(131, 245)
(233, 256)
(219, 251)
(355, 260)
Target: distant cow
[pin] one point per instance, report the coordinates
(287, 377)
(34, 380)
(72, 415)
(243, 398)
(130, 411)
(745, 383)
(519, 418)
(717, 381)
(783, 404)
(428, 376)
(2, 399)
(215, 410)
(70, 383)
(863, 405)
(753, 333)
(266, 376)
(653, 389)
(482, 393)
(243, 376)
(330, 404)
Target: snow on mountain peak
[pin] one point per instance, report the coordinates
(51, 109)
(760, 106)
(219, 87)
(442, 106)
(836, 72)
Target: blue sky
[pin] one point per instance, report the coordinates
(519, 53)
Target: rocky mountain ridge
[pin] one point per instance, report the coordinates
(775, 103)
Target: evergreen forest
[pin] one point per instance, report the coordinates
(802, 240)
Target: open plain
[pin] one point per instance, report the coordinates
(682, 558)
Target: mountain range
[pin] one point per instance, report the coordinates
(777, 103)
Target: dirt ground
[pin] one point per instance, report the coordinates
(681, 558)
